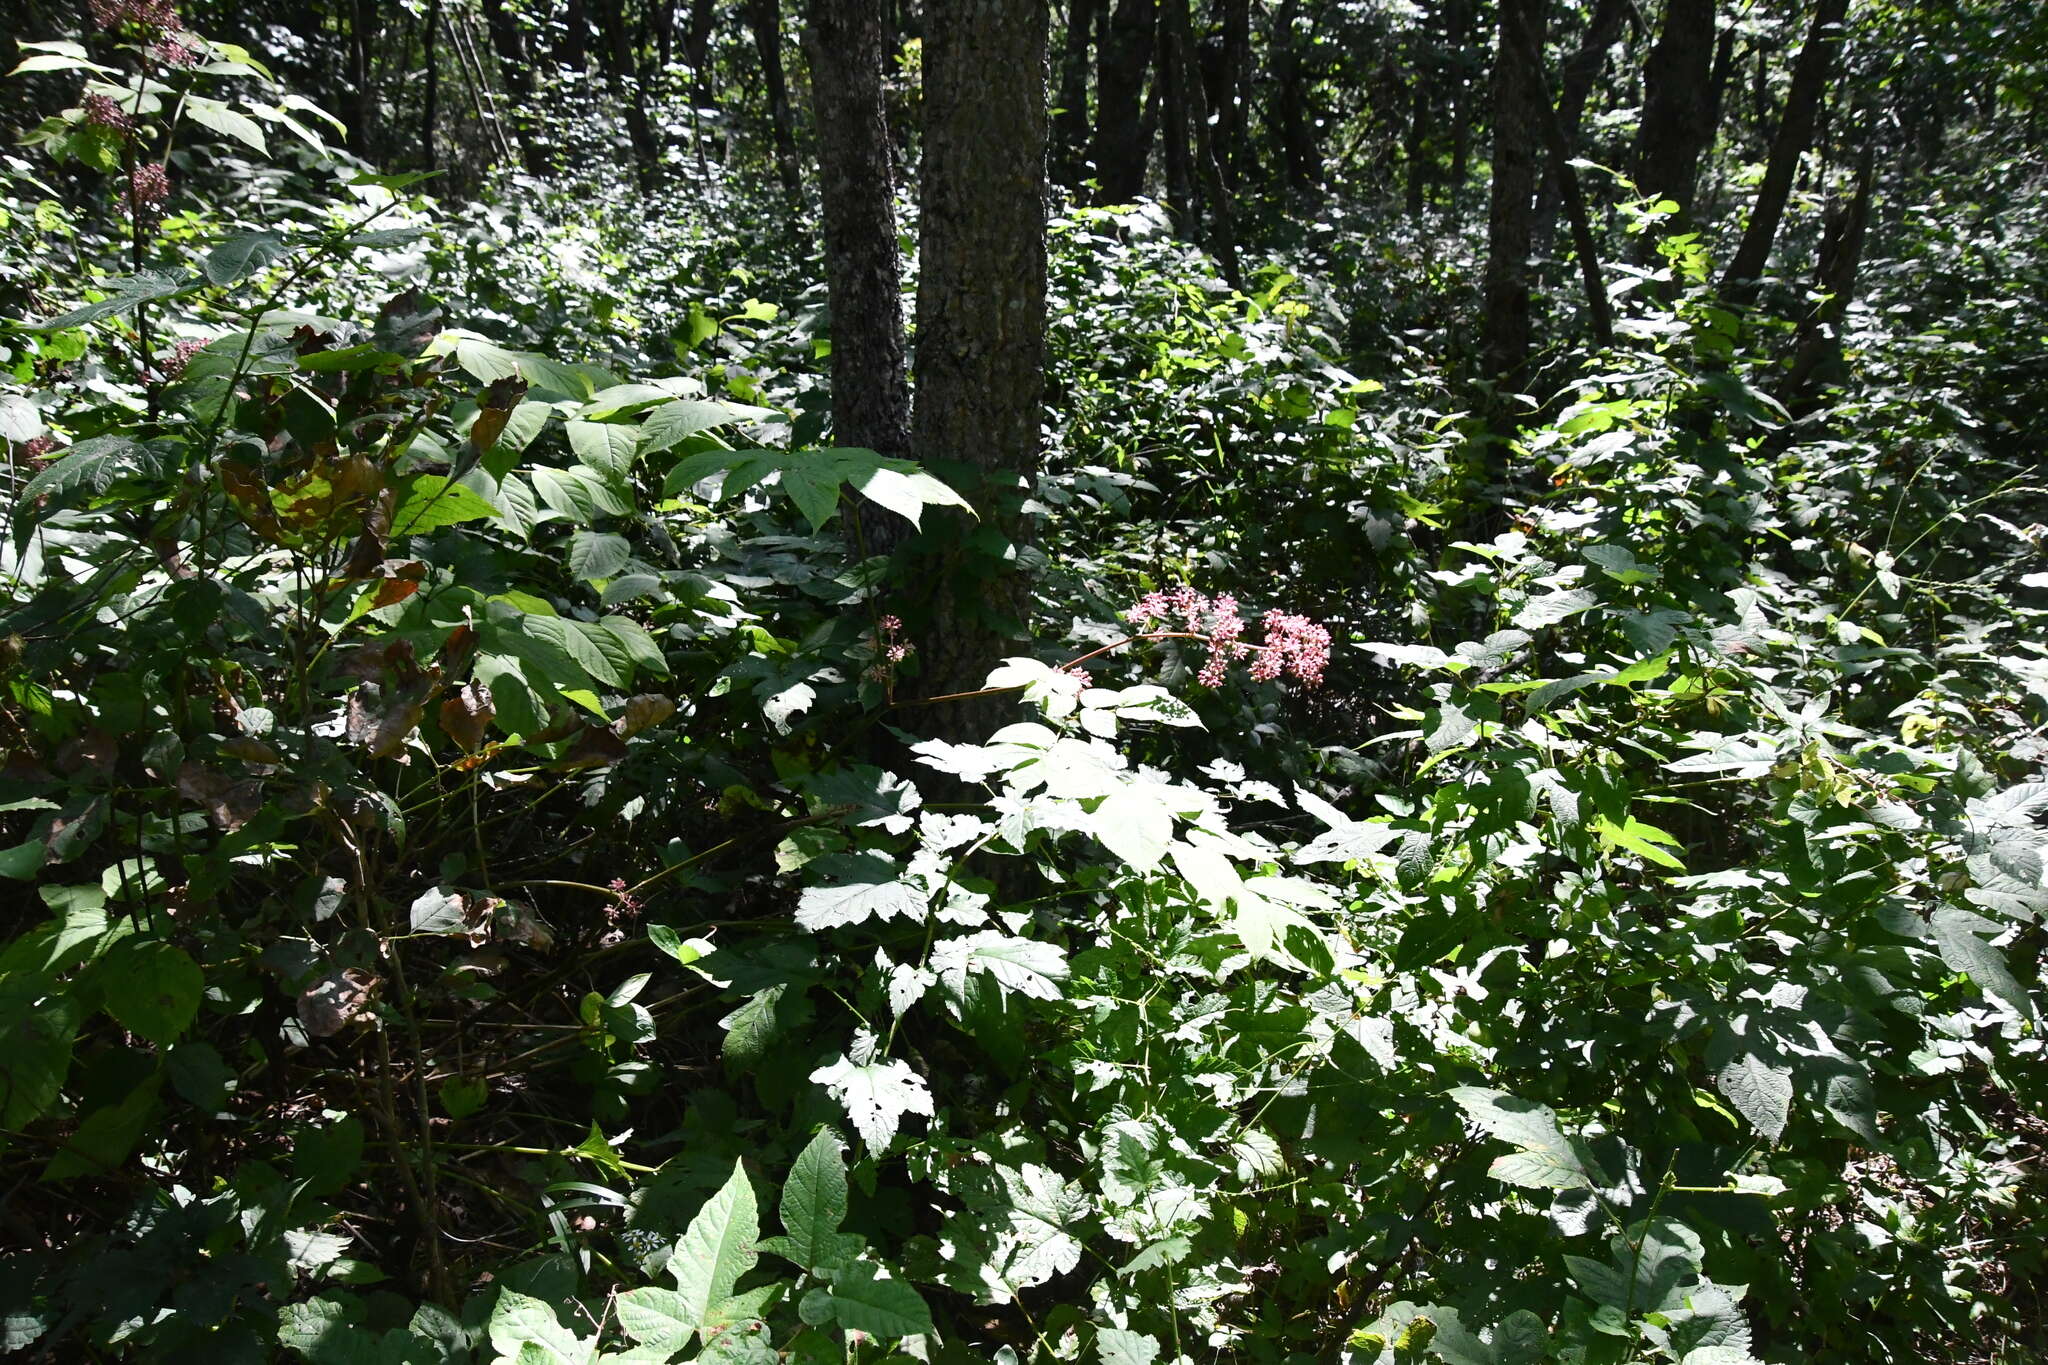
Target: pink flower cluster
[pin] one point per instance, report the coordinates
(37, 449)
(1294, 645)
(156, 15)
(181, 356)
(890, 649)
(148, 186)
(177, 49)
(102, 112)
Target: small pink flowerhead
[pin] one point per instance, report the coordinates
(148, 186)
(102, 112)
(181, 356)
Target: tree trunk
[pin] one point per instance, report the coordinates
(764, 17)
(1677, 105)
(1819, 352)
(1810, 73)
(980, 331)
(1070, 125)
(1221, 234)
(1518, 102)
(1291, 117)
(365, 26)
(843, 42)
(1458, 39)
(515, 73)
(622, 76)
(1577, 75)
(1529, 50)
(1173, 81)
(1122, 58)
(430, 105)
(571, 48)
(1229, 104)
(697, 54)
(1415, 146)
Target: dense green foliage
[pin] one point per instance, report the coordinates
(477, 881)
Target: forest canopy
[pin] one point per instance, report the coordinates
(1158, 682)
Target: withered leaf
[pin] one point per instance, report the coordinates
(595, 747)
(328, 1005)
(495, 409)
(466, 714)
(647, 709)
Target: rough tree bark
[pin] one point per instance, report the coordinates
(980, 329)
(1518, 103)
(1122, 57)
(1677, 105)
(843, 43)
(1810, 74)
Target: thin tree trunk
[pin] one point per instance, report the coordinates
(696, 53)
(1518, 99)
(431, 104)
(1070, 125)
(863, 272)
(572, 48)
(1458, 38)
(1173, 81)
(1221, 234)
(365, 26)
(515, 73)
(622, 75)
(980, 330)
(764, 17)
(1229, 104)
(1291, 115)
(1122, 58)
(1841, 257)
(1677, 105)
(1810, 74)
(1576, 77)
(1552, 128)
(1416, 144)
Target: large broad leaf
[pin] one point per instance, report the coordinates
(719, 1246)
(876, 1094)
(685, 417)
(242, 255)
(524, 1331)
(607, 447)
(1760, 1092)
(1547, 1160)
(233, 123)
(35, 1050)
(152, 989)
(90, 465)
(1962, 939)
(129, 291)
(871, 888)
(427, 502)
(1022, 966)
(813, 1207)
(859, 1301)
(813, 479)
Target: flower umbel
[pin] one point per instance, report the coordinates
(1294, 645)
